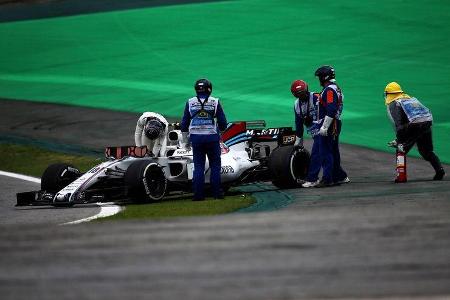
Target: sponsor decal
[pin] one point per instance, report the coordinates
(268, 131)
(288, 139)
(199, 122)
(94, 170)
(226, 170)
(147, 190)
(182, 152)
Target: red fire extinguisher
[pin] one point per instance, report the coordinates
(401, 166)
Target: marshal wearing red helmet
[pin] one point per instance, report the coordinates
(299, 89)
(305, 109)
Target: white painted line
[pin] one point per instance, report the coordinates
(106, 209)
(20, 176)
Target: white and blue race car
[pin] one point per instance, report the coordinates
(250, 152)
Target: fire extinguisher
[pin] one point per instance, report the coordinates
(401, 165)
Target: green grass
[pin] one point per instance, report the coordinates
(183, 208)
(148, 59)
(30, 160)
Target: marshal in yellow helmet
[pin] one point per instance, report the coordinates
(392, 92)
(393, 88)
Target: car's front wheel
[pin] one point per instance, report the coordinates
(57, 176)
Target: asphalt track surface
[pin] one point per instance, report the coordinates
(19, 10)
(35, 215)
(367, 239)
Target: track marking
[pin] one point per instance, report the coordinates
(20, 176)
(106, 209)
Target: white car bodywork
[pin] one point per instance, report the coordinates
(245, 159)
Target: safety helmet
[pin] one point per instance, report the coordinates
(203, 87)
(392, 91)
(393, 88)
(325, 73)
(153, 128)
(299, 89)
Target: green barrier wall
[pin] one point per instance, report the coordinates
(148, 59)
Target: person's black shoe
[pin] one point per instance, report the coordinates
(342, 181)
(439, 174)
(323, 184)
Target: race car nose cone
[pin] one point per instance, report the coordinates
(62, 198)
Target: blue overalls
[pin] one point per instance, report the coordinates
(199, 119)
(306, 113)
(331, 104)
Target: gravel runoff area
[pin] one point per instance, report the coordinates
(367, 239)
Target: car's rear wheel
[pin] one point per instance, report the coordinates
(57, 176)
(288, 166)
(146, 181)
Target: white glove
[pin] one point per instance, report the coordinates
(185, 141)
(326, 124)
(298, 142)
(392, 144)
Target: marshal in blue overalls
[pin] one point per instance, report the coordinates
(199, 119)
(330, 110)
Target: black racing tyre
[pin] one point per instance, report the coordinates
(57, 176)
(288, 165)
(146, 181)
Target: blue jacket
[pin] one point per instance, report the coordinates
(331, 102)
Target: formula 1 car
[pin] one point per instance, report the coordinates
(249, 153)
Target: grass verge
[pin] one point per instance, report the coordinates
(183, 208)
(30, 160)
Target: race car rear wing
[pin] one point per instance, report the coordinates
(238, 132)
